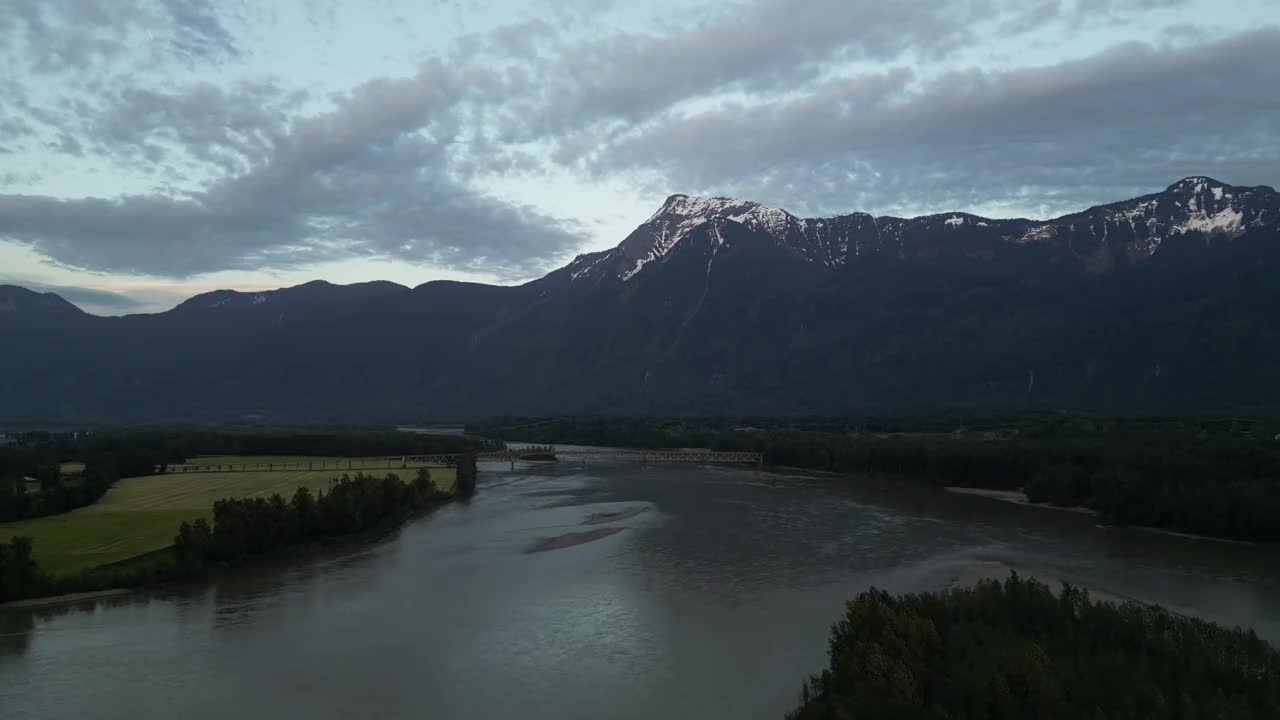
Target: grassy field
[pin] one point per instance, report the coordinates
(141, 515)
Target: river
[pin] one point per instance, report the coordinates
(712, 600)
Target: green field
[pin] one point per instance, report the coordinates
(142, 515)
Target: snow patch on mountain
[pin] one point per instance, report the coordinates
(1229, 220)
(585, 264)
(1036, 234)
(770, 220)
(664, 240)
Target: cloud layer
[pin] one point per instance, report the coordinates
(826, 106)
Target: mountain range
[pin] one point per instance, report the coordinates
(1164, 303)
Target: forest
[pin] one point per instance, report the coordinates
(241, 529)
(57, 493)
(1015, 649)
(1210, 476)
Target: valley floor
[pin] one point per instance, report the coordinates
(141, 515)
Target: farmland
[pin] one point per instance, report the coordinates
(141, 515)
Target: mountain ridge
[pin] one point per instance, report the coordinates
(1158, 304)
(827, 238)
(1195, 203)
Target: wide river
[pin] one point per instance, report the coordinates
(712, 600)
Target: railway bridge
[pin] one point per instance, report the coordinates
(532, 453)
(642, 456)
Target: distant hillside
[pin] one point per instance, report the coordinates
(1160, 304)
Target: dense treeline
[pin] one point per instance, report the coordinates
(668, 431)
(241, 528)
(1211, 477)
(58, 492)
(19, 575)
(178, 444)
(245, 527)
(1015, 650)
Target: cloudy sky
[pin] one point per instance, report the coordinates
(152, 150)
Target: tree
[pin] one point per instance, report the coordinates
(19, 576)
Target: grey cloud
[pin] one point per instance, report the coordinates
(66, 144)
(228, 127)
(1032, 16)
(93, 299)
(1087, 7)
(768, 44)
(1134, 116)
(84, 297)
(371, 177)
(200, 31)
(80, 35)
(759, 47)
(15, 127)
(607, 84)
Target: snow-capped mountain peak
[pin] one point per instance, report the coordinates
(772, 220)
(1194, 183)
(681, 214)
(1098, 239)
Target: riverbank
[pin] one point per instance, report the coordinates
(1185, 475)
(202, 550)
(1017, 497)
(280, 555)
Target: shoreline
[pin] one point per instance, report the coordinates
(1017, 497)
(286, 554)
(1189, 536)
(64, 599)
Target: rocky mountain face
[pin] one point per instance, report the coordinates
(1098, 239)
(1163, 303)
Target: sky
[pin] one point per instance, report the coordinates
(150, 151)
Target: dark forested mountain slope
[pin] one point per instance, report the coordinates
(1163, 303)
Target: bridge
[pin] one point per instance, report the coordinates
(533, 453)
(642, 456)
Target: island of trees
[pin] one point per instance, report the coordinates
(1014, 649)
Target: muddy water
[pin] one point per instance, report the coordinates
(562, 592)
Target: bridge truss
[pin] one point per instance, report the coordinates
(511, 455)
